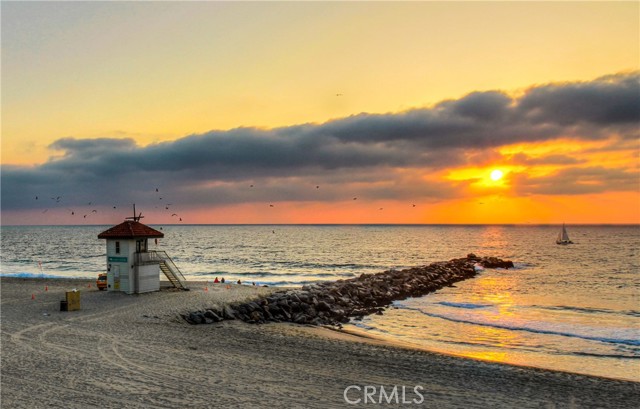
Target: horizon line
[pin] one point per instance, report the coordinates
(335, 224)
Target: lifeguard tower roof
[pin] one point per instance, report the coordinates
(130, 230)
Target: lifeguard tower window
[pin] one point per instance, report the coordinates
(117, 247)
(141, 246)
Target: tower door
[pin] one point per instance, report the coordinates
(116, 277)
(141, 246)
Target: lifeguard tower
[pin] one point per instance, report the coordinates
(131, 266)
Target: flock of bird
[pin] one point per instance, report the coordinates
(72, 212)
(318, 187)
(167, 206)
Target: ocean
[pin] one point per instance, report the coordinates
(572, 308)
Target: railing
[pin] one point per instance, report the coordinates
(162, 258)
(148, 257)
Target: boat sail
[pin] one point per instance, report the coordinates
(563, 237)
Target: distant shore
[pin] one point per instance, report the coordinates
(135, 351)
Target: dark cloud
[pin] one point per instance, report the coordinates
(84, 147)
(576, 181)
(212, 167)
(482, 106)
(489, 119)
(608, 101)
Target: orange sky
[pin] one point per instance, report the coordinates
(235, 112)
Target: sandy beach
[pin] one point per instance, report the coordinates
(134, 351)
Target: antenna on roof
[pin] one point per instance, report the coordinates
(135, 218)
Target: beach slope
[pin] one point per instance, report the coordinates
(134, 351)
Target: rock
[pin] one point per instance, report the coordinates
(283, 304)
(195, 318)
(257, 316)
(323, 306)
(334, 303)
(494, 262)
(228, 313)
(212, 315)
(274, 309)
(316, 321)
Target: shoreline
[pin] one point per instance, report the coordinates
(411, 346)
(138, 346)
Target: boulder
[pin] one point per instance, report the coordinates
(212, 315)
(195, 318)
(334, 303)
(228, 313)
(323, 306)
(257, 316)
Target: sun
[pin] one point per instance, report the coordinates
(496, 175)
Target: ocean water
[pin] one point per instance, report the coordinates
(573, 308)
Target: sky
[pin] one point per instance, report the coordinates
(320, 112)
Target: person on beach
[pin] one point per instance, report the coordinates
(222, 280)
(239, 282)
(216, 281)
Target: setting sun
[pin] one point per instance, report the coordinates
(496, 175)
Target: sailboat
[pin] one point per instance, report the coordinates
(563, 237)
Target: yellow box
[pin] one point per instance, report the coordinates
(73, 300)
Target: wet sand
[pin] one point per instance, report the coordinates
(134, 351)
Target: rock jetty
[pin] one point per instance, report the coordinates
(336, 302)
